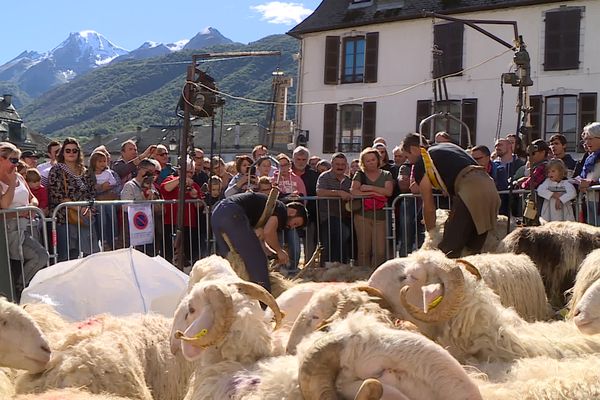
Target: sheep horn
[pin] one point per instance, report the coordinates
(261, 294)
(454, 294)
(303, 323)
(320, 367)
(371, 389)
(374, 292)
(345, 306)
(219, 300)
(470, 267)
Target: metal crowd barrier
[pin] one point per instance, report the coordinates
(396, 231)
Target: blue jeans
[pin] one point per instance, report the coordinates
(77, 240)
(335, 236)
(292, 239)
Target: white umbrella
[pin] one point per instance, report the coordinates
(119, 282)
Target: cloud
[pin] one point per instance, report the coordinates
(277, 12)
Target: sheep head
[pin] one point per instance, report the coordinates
(22, 344)
(332, 304)
(405, 364)
(210, 268)
(436, 283)
(587, 310)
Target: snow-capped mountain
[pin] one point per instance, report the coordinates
(36, 73)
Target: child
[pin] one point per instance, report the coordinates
(215, 191)
(34, 181)
(557, 193)
(264, 185)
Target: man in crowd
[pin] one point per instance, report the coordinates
(44, 168)
(495, 169)
(505, 156)
(30, 158)
(126, 166)
(141, 187)
(300, 167)
(335, 224)
(475, 201)
(239, 217)
(558, 145)
(200, 175)
(166, 169)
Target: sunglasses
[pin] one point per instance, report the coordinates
(13, 161)
(161, 154)
(71, 151)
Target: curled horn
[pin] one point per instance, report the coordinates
(371, 389)
(219, 300)
(374, 292)
(346, 305)
(454, 294)
(319, 369)
(470, 267)
(261, 294)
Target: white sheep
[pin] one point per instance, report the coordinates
(587, 274)
(545, 378)
(557, 249)
(335, 272)
(336, 365)
(587, 311)
(465, 316)
(126, 356)
(68, 394)
(434, 236)
(513, 277)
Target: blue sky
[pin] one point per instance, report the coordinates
(41, 25)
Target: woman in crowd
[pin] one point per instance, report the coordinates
(14, 193)
(68, 181)
(241, 180)
(219, 169)
(375, 185)
(517, 145)
(263, 167)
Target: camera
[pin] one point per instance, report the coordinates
(188, 188)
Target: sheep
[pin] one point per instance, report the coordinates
(7, 388)
(543, 378)
(338, 364)
(126, 356)
(336, 272)
(434, 236)
(557, 249)
(68, 394)
(587, 311)
(465, 316)
(513, 277)
(332, 303)
(588, 273)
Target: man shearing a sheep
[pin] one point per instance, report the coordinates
(474, 199)
(247, 219)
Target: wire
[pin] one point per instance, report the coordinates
(352, 100)
(500, 111)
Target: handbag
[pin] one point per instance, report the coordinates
(374, 203)
(530, 214)
(73, 216)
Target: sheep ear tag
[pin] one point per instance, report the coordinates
(432, 296)
(197, 330)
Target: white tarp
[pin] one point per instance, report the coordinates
(119, 282)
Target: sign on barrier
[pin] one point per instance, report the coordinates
(141, 224)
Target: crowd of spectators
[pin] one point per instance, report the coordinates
(349, 220)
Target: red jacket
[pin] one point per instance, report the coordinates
(170, 211)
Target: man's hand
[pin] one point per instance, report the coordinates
(584, 184)
(149, 151)
(260, 233)
(282, 257)
(345, 195)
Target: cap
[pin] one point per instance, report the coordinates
(537, 145)
(28, 153)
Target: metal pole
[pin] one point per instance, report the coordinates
(183, 147)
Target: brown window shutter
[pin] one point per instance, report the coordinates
(469, 117)
(535, 102)
(332, 59)
(329, 127)
(423, 111)
(449, 39)
(562, 35)
(371, 56)
(369, 123)
(588, 104)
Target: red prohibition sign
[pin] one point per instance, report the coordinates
(140, 220)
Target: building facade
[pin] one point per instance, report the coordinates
(366, 70)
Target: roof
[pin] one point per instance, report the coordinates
(337, 14)
(250, 135)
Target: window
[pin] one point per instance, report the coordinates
(354, 60)
(359, 59)
(449, 39)
(566, 115)
(562, 35)
(349, 129)
(465, 110)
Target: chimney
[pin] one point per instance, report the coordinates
(7, 99)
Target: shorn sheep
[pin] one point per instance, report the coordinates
(513, 277)
(557, 249)
(126, 356)
(434, 236)
(464, 315)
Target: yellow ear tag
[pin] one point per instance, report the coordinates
(203, 332)
(181, 335)
(435, 302)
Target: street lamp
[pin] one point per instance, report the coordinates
(172, 144)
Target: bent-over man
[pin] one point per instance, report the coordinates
(475, 200)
